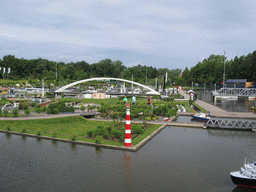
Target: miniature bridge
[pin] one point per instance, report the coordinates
(237, 92)
(152, 91)
(230, 123)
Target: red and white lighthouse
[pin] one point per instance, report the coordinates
(128, 133)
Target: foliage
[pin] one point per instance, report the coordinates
(54, 134)
(15, 112)
(8, 128)
(90, 132)
(55, 111)
(38, 106)
(33, 104)
(39, 110)
(73, 136)
(82, 108)
(98, 139)
(136, 129)
(27, 112)
(38, 132)
(23, 105)
(23, 130)
(5, 113)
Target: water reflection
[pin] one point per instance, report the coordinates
(8, 135)
(235, 105)
(244, 189)
(226, 133)
(39, 140)
(98, 150)
(128, 170)
(23, 137)
(73, 146)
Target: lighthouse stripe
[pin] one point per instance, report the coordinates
(128, 122)
(128, 141)
(128, 131)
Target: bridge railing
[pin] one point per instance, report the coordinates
(237, 91)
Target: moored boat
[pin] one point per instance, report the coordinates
(246, 176)
(201, 117)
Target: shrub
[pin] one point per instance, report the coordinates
(73, 136)
(38, 132)
(5, 113)
(98, 140)
(147, 118)
(106, 135)
(15, 112)
(54, 134)
(122, 138)
(55, 111)
(109, 128)
(89, 132)
(44, 108)
(38, 106)
(27, 112)
(38, 110)
(136, 129)
(8, 128)
(191, 101)
(116, 133)
(23, 130)
(33, 104)
(114, 115)
(172, 112)
(48, 111)
(82, 108)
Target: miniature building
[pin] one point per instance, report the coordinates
(99, 96)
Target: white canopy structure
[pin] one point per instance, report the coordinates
(152, 91)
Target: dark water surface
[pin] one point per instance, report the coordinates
(235, 105)
(177, 159)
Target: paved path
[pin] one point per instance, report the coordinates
(218, 112)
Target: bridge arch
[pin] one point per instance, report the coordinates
(106, 78)
(6, 105)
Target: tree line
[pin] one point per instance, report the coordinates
(44, 69)
(211, 70)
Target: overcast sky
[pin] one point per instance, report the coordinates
(164, 33)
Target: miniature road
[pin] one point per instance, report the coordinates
(218, 112)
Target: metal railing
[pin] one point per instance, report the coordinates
(237, 91)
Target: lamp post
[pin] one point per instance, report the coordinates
(224, 71)
(56, 71)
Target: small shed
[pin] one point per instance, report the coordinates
(99, 96)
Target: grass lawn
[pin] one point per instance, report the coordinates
(65, 126)
(11, 82)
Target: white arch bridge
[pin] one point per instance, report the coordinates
(152, 91)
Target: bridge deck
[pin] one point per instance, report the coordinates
(218, 112)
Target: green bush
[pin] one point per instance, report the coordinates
(136, 129)
(5, 113)
(116, 133)
(55, 111)
(15, 112)
(98, 139)
(114, 115)
(23, 130)
(122, 138)
(90, 132)
(44, 108)
(39, 110)
(38, 132)
(38, 106)
(191, 101)
(33, 104)
(48, 111)
(100, 130)
(109, 128)
(147, 118)
(8, 128)
(27, 112)
(106, 135)
(73, 136)
(54, 134)
(172, 112)
(82, 108)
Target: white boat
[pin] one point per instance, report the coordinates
(246, 176)
(201, 117)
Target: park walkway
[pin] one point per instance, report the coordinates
(218, 112)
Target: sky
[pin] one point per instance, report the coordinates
(163, 34)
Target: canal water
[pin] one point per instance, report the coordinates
(177, 159)
(235, 105)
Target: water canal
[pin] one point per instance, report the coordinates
(177, 159)
(235, 105)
